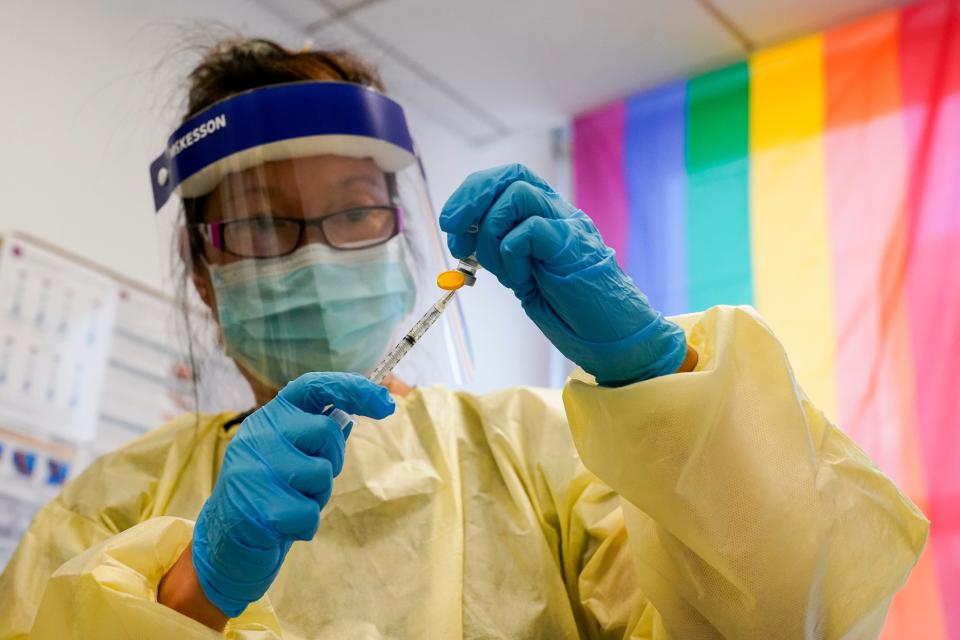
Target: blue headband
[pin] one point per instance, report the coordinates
(281, 121)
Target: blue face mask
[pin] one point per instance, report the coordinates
(315, 310)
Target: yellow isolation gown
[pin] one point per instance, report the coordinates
(716, 503)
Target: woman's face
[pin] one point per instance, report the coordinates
(306, 189)
(299, 189)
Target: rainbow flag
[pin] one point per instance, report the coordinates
(820, 182)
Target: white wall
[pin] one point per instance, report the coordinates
(89, 93)
(87, 101)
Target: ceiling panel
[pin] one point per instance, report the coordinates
(531, 64)
(408, 83)
(347, 5)
(485, 69)
(298, 13)
(769, 22)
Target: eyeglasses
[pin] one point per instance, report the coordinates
(270, 237)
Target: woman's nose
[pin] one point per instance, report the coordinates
(313, 234)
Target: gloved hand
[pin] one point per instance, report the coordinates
(566, 278)
(277, 475)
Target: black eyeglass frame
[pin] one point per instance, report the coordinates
(213, 232)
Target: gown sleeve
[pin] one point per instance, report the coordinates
(84, 571)
(747, 513)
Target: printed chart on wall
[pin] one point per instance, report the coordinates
(88, 362)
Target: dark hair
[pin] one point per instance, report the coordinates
(237, 65)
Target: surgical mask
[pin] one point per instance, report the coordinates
(317, 309)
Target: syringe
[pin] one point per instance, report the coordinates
(466, 274)
(389, 361)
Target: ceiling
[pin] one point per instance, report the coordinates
(489, 69)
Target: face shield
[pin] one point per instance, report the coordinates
(301, 213)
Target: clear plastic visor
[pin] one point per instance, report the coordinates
(319, 263)
(316, 262)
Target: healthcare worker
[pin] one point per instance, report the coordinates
(682, 485)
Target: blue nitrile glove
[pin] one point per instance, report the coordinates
(568, 281)
(277, 475)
